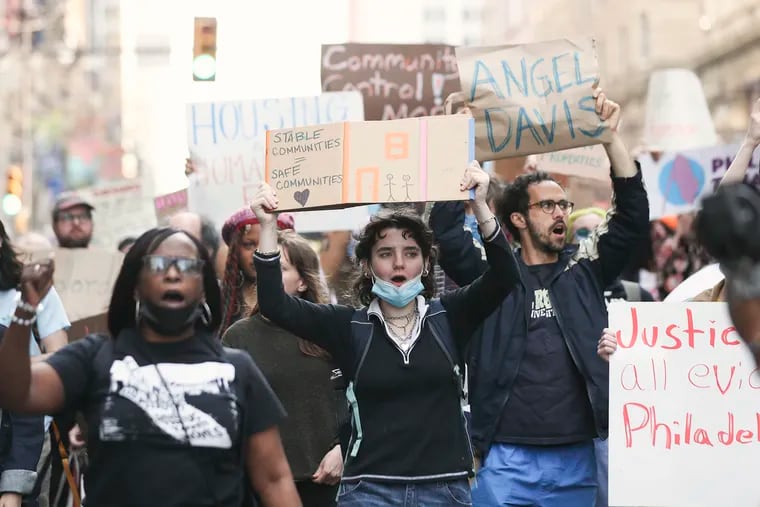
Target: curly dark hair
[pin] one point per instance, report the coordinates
(121, 311)
(232, 284)
(515, 198)
(10, 265)
(405, 219)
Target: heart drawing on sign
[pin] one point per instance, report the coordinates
(301, 197)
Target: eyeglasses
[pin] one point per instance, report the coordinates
(66, 216)
(548, 206)
(160, 264)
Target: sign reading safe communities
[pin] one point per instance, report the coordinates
(532, 98)
(684, 408)
(397, 80)
(411, 160)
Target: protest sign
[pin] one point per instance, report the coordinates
(677, 116)
(227, 147)
(397, 80)
(121, 209)
(411, 160)
(169, 204)
(532, 98)
(586, 162)
(678, 181)
(684, 408)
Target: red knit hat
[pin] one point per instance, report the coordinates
(245, 216)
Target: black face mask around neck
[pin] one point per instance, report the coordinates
(169, 321)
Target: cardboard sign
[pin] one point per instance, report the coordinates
(684, 408)
(397, 80)
(677, 116)
(679, 181)
(412, 160)
(169, 204)
(227, 143)
(587, 162)
(121, 209)
(532, 98)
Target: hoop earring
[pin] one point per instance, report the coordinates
(205, 314)
(426, 272)
(137, 313)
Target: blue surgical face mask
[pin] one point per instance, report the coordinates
(397, 296)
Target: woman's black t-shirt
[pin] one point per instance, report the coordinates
(167, 422)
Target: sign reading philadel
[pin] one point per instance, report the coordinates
(411, 160)
(227, 142)
(532, 98)
(684, 412)
(397, 80)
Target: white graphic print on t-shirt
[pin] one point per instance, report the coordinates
(541, 308)
(208, 383)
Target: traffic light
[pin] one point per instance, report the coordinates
(204, 50)
(14, 190)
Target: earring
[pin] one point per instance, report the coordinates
(241, 277)
(205, 314)
(367, 275)
(137, 313)
(426, 272)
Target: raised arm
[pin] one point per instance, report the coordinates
(329, 326)
(627, 221)
(469, 306)
(738, 168)
(27, 388)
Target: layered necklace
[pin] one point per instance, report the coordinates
(402, 326)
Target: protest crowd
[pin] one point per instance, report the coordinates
(452, 347)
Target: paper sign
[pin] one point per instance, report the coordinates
(227, 146)
(587, 162)
(411, 160)
(684, 408)
(84, 279)
(677, 116)
(397, 80)
(169, 204)
(121, 210)
(532, 98)
(679, 181)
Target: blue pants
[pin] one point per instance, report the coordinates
(602, 472)
(537, 476)
(385, 494)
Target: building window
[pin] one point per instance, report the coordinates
(645, 36)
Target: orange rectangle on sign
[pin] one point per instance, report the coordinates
(396, 145)
(360, 173)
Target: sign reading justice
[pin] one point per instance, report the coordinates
(532, 98)
(410, 160)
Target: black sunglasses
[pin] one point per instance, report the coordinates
(160, 264)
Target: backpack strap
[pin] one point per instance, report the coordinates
(362, 331)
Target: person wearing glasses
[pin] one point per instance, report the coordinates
(72, 221)
(538, 391)
(175, 418)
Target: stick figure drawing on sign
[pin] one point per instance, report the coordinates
(390, 186)
(407, 185)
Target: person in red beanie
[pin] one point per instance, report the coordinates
(241, 234)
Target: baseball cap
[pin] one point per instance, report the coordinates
(69, 201)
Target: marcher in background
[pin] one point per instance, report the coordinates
(174, 416)
(401, 354)
(241, 234)
(303, 376)
(72, 221)
(538, 390)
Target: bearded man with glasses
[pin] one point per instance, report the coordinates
(72, 221)
(538, 390)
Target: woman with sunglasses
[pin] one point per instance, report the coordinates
(304, 376)
(174, 418)
(401, 354)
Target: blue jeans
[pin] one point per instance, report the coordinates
(602, 472)
(386, 494)
(537, 476)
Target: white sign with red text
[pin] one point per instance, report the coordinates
(684, 408)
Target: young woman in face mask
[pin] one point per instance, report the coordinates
(401, 354)
(303, 376)
(174, 418)
(241, 234)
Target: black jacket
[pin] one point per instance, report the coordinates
(576, 293)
